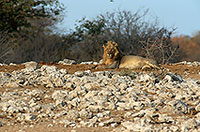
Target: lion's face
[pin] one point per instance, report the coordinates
(111, 51)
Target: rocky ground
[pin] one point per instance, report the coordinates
(77, 98)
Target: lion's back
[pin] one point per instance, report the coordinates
(133, 62)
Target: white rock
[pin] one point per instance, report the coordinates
(65, 122)
(197, 108)
(12, 64)
(60, 95)
(50, 125)
(131, 126)
(164, 118)
(67, 62)
(100, 115)
(12, 85)
(189, 124)
(168, 78)
(79, 73)
(83, 123)
(30, 66)
(60, 114)
(174, 128)
(101, 124)
(72, 114)
(85, 114)
(2, 64)
(25, 117)
(139, 114)
(95, 108)
(29, 117)
(121, 129)
(49, 69)
(144, 78)
(89, 62)
(128, 114)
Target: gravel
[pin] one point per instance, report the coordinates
(145, 102)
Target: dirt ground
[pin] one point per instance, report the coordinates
(43, 127)
(186, 71)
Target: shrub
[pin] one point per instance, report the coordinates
(16, 15)
(189, 47)
(161, 48)
(28, 33)
(130, 30)
(7, 45)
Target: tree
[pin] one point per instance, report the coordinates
(130, 30)
(21, 22)
(196, 38)
(189, 47)
(88, 28)
(16, 15)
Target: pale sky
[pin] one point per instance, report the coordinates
(182, 14)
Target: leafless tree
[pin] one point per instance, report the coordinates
(7, 44)
(132, 32)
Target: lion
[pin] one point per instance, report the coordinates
(113, 58)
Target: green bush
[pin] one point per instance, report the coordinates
(26, 25)
(16, 15)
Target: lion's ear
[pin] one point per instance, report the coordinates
(104, 45)
(109, 42)
(115, 44)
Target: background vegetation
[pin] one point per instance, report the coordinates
(27, 33)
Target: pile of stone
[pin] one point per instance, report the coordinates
(195, 63)
(67, 62)
(131, 102)
(70, 62)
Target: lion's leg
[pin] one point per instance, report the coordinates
(145, 67)
(152, 65)
(114, 65)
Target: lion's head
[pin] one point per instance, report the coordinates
(111, 52)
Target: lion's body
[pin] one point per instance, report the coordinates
(136, 62)
(112, 58)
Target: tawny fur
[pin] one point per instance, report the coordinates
(137, 62)
(111, 52)
(112, 58)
